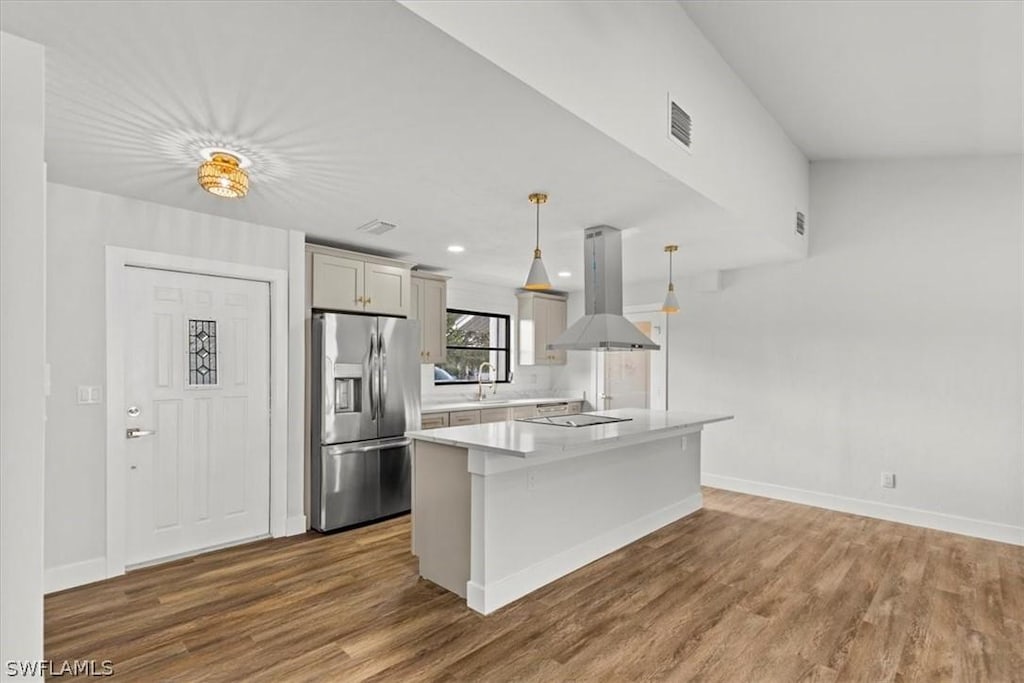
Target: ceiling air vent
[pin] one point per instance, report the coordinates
(376, 227)
(680, 124)
(801, 223)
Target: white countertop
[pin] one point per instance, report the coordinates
(525, 439)
(440, 407)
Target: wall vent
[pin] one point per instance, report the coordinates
(801, 223)
(376, 227)
(680, 125)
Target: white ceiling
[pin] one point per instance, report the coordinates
(355, 111)
(352, 112)
(855, 79)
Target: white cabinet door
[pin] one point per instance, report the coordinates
(541, 321)
(429, 302)
(540, 331)
(434, 320)
(337, 283)
(554, 326)
(434, 421)
(387, 289)
(416, 312)
(197, 385)
(494, 415)
(464, 417)
(520, 412)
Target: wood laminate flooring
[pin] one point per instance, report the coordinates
(747, 589)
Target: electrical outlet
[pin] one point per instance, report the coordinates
(531, 481)
(888, 480)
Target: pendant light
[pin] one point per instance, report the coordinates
(671, 304)
(538, 279)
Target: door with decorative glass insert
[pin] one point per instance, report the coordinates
(197, 417)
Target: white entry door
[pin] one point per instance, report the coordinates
(196, 413)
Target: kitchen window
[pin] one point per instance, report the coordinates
(475, 338)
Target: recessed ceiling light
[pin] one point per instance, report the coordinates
(456, 249)
(564, 273)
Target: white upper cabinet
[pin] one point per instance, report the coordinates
(542, 318)
(430, 306)
(337, 283)
(345, 281)
(555, 324)
(387, 290)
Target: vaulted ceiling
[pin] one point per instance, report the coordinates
(862, 79)
(354, 111)
(350, 112)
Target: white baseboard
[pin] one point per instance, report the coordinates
(80, 573)
(992, 531)
(295, 525)
(486, 599)
(74, 574)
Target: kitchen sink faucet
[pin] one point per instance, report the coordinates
(480, 380)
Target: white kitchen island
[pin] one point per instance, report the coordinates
(501, 509)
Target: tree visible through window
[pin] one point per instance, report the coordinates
(475, 338)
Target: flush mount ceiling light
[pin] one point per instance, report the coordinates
(538, 279)
(671, 304)
(223, 174)
(456, 248)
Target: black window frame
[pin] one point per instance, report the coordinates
(507, 350)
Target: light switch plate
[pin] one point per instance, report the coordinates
(88, 395)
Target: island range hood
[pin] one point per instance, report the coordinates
(603, 327)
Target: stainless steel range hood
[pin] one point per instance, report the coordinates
(603, 326)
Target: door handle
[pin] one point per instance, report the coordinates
(135, 433)
(374, 377)
(399, 442)
(382, 354)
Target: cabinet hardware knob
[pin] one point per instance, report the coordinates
(368, 300)
(359, 299)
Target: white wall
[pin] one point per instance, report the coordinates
(22, 353)
(528, 380)
(896, 347)
(613, 63)
(80, 225)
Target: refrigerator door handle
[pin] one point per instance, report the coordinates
(327, 400)
(383, 355)
(373, 376)
(380, 445)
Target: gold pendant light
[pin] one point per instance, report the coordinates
(538, 279)
(671, 304)
(222, 175)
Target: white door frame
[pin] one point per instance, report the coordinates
(118, 258)
(659, 359)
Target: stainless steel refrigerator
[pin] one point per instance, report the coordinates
(366, 394)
